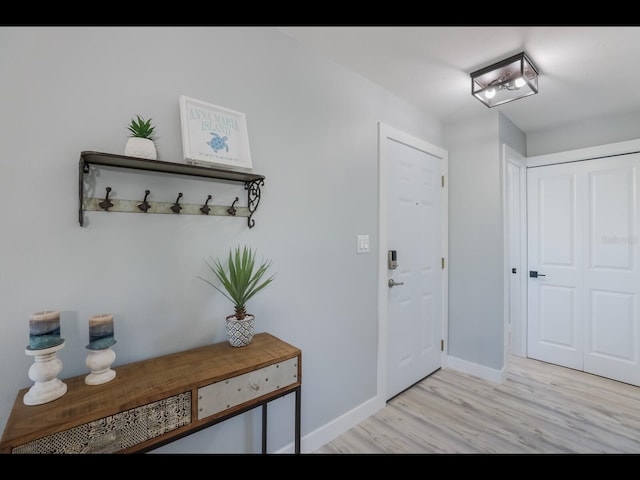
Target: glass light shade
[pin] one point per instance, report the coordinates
(512, 78)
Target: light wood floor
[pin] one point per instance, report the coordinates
(540, 408)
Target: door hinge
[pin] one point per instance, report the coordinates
(442, 181)
(442, 345)
(443, 263)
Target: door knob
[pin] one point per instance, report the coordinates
(393, 283)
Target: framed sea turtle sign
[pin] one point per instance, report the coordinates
(213, 135)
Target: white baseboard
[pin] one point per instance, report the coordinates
(323, 435)
(480, 371)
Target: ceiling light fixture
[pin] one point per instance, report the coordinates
(512, 78)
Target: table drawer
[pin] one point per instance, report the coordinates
(117, 432)
(219, 396)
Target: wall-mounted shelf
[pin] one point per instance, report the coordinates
(252, 184)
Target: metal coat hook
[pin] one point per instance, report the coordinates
(205, 209)
(106, 203)
(144, 206)
(176, 206)
(232, 209)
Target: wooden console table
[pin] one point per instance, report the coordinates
(153, 402)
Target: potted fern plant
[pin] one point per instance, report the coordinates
(241, 278)
(141, 142)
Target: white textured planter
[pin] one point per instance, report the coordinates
(240, 332)
(140, 147)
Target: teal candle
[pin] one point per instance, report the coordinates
(101, 332)
(44, 330)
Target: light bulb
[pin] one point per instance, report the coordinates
(519, 82)
(489, 94)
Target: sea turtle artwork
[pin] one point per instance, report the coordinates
(218, 143)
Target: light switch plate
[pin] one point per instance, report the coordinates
(363, 244)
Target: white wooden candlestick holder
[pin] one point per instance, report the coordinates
(99, 362)
(44, 372)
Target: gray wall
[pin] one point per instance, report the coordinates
(313, 134)
(510, 134)
(588, 133)
(476, 295)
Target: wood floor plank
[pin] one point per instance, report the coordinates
(539, 408)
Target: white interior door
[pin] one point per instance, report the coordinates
(583, 236)
(414, 231)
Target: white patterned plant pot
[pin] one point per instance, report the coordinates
(141, 148)
(240, 332)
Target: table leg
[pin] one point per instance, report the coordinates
(264, 428)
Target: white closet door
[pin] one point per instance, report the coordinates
(583, 237)
(555, 250)
(611, 273)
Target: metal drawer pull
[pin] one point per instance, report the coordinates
(254, 385)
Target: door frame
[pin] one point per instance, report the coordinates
(516, 344)
(387, 132)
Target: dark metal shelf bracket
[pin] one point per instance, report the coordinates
(253, 198)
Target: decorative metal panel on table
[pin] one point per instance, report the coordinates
(119, 431)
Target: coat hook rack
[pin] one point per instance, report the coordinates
(232, 209)
(106, 204)
(144, 206)
(205, 208)
(90, 161)
(176, 206)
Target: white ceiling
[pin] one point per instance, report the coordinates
(585, 72)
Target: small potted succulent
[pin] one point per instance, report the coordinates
(141, 141)
(240, 280)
